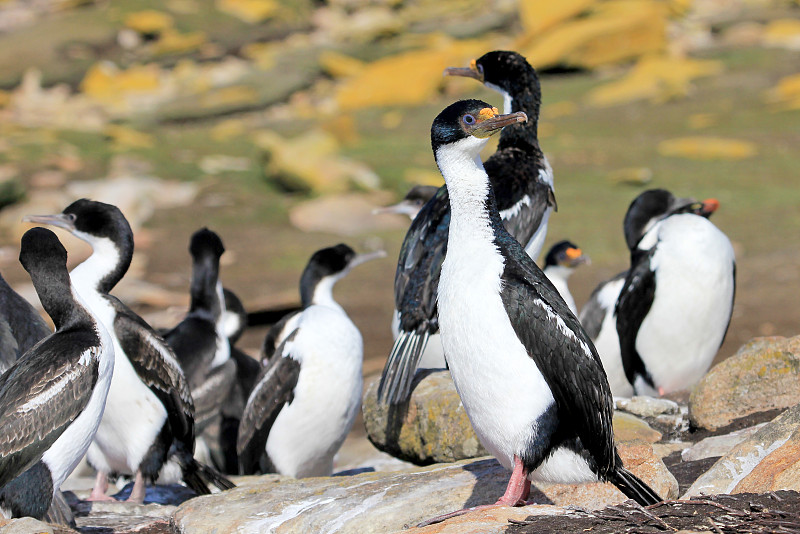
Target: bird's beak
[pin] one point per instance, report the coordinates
(471, 72)
(575, 257)
(358, 259)
(401, 208)
(708, 206)
(60, 220)
(490, 122)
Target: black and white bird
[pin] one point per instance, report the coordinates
(415, 199)
(21, 326)
(523, 183)
(675, 306)
(560, 262)
(528, 376)
(200, 341)
(597, 316)
(52, 398)
(309, 391)
(147, 376)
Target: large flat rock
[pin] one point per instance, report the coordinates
(763, 375)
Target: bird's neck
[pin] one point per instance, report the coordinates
(323, 294)
(558, 271)
(472, 205)
(522, 135)
(102, 270)
(205, 291)
(59, 300)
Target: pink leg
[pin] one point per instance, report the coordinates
(100, 488)
(518, 489)
(138, 490)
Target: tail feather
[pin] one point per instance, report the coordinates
(198, 476)
(633, 487)
(398, 374)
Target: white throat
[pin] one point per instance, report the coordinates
(323, 293)
(104, 259)
(467, 186)
(507, 100)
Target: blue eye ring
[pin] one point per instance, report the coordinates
(468, 119)
(479, 67)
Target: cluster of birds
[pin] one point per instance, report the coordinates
(536, 381)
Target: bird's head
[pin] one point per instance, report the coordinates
(465, 126)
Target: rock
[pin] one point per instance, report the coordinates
(489, 521)
(348, 214)
(647, 406)
(28, 525)
(628, 427)
(431, 427)
(388, 502)
(768, 459)
(251, 11)
(763, 375)
(366, 503)
(311, 163)
(784, 33)
(717, 445)
(786, 94)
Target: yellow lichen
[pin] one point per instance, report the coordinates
(124, 138)
(786, 94)
(538, 16)
(339, 65)
(698, 121)
(422, 177)
(148, 21)
(707, 148)
(407, 79)
(614, 31)
(107, 84)
(560, 109)
(783, 33)
(656, 78)
(263, 54)
(251, 11)
(173, 42)
(227, 129)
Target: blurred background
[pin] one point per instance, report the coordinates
(281, 124)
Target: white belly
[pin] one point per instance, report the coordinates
(607, 341)
(309, 431)
(685, 326)
(67, 451)
(500, 386)
(133, 415)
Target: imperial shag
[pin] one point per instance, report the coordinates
(52, 398)
(130, 441)
(560, 262)
(309, 391)
(597, 316)
(675, 306)
(528, 375)
(523, 183)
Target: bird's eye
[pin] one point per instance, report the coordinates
(70, 216)
(479, 67)
(469, 119)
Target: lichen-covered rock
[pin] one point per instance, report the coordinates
(431, 427)
(628, 427)
(768, 460)
(764, 375)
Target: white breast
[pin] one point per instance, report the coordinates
(558, 276)
(309, 431)
(500, 386)
(133, 415)
(607, 341)
(684, 328)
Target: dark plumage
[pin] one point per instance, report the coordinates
(528, 376)
(146, 371)
(51, 399)
(523, 183)
(21, 326)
